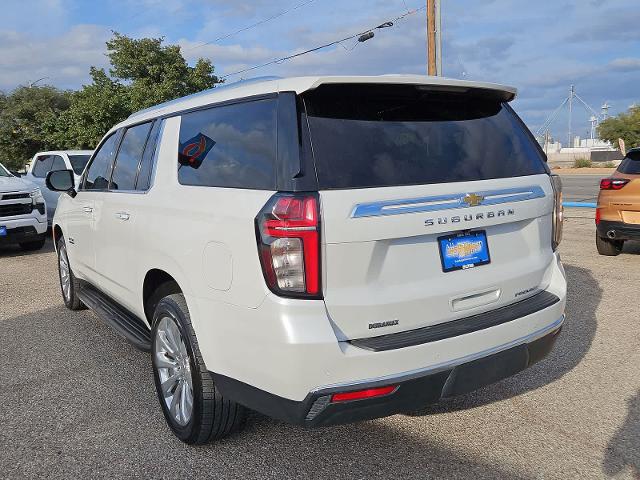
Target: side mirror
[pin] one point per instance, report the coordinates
(61, 181)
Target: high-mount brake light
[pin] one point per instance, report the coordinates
(288, 233)
(613, 183)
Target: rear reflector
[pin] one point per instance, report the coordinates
(362, 394)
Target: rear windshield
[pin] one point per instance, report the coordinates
(78, 162)
(379, 136)
(631, 163)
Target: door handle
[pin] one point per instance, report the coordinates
(123, 216)
(88, 209)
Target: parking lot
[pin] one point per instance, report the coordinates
(77, 400)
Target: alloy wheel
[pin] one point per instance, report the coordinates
(65, 274)
(173, 367)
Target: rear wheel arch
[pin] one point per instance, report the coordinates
(157, 285)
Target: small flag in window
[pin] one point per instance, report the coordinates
(193, 152)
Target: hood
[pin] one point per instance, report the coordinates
(15, 184)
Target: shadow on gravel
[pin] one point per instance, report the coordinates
(78, 401)
(9, 251)
(624, 447)
(572, 345)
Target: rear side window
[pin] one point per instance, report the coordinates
(99, 171)
(379, 136)
(631, 163)
(42, 166)
(229, 146)
(58, 163)
(78, 162)
(130, 152)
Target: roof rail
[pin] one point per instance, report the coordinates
(239, 83)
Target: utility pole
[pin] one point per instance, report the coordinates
(431, 38)
(572, 91)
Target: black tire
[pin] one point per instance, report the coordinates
(608, 247)
(71, 300)
(213, 417)
(34, 245)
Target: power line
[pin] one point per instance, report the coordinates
(386, 24)
(253, 25)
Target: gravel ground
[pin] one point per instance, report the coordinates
(78, 401)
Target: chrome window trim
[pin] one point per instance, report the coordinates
(445, 202)
(439, 367)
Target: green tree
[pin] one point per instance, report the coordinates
(625, 125)
(143, 72)
(24, 116)
(156, 73)
(94, 110)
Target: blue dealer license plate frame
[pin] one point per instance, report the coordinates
(464, 250)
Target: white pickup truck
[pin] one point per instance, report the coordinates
(45, 162)
(23, 212)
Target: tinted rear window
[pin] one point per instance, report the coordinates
(378, 136)
(631, 163)
(229, 146)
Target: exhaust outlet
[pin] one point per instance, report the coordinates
(611, 234)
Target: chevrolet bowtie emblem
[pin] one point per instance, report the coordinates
(472, 199)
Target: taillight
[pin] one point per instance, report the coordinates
(288, 233)
(613, 183)
(597, 216)
(558, 212)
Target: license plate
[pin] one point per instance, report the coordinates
(464, 250)
(3, 231)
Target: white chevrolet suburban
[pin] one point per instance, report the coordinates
(318, 249)
(23, 214)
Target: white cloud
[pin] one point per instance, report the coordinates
(64, 59)
(626, 64)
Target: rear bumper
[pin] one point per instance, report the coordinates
(414, 389)
(619, 230)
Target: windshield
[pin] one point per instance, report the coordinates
(78, 162)
(4, 172)
(380, 136)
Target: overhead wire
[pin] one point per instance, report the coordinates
(387, 24)
(249, 27)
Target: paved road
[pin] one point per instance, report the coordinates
(77, 401)
(581, 188)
